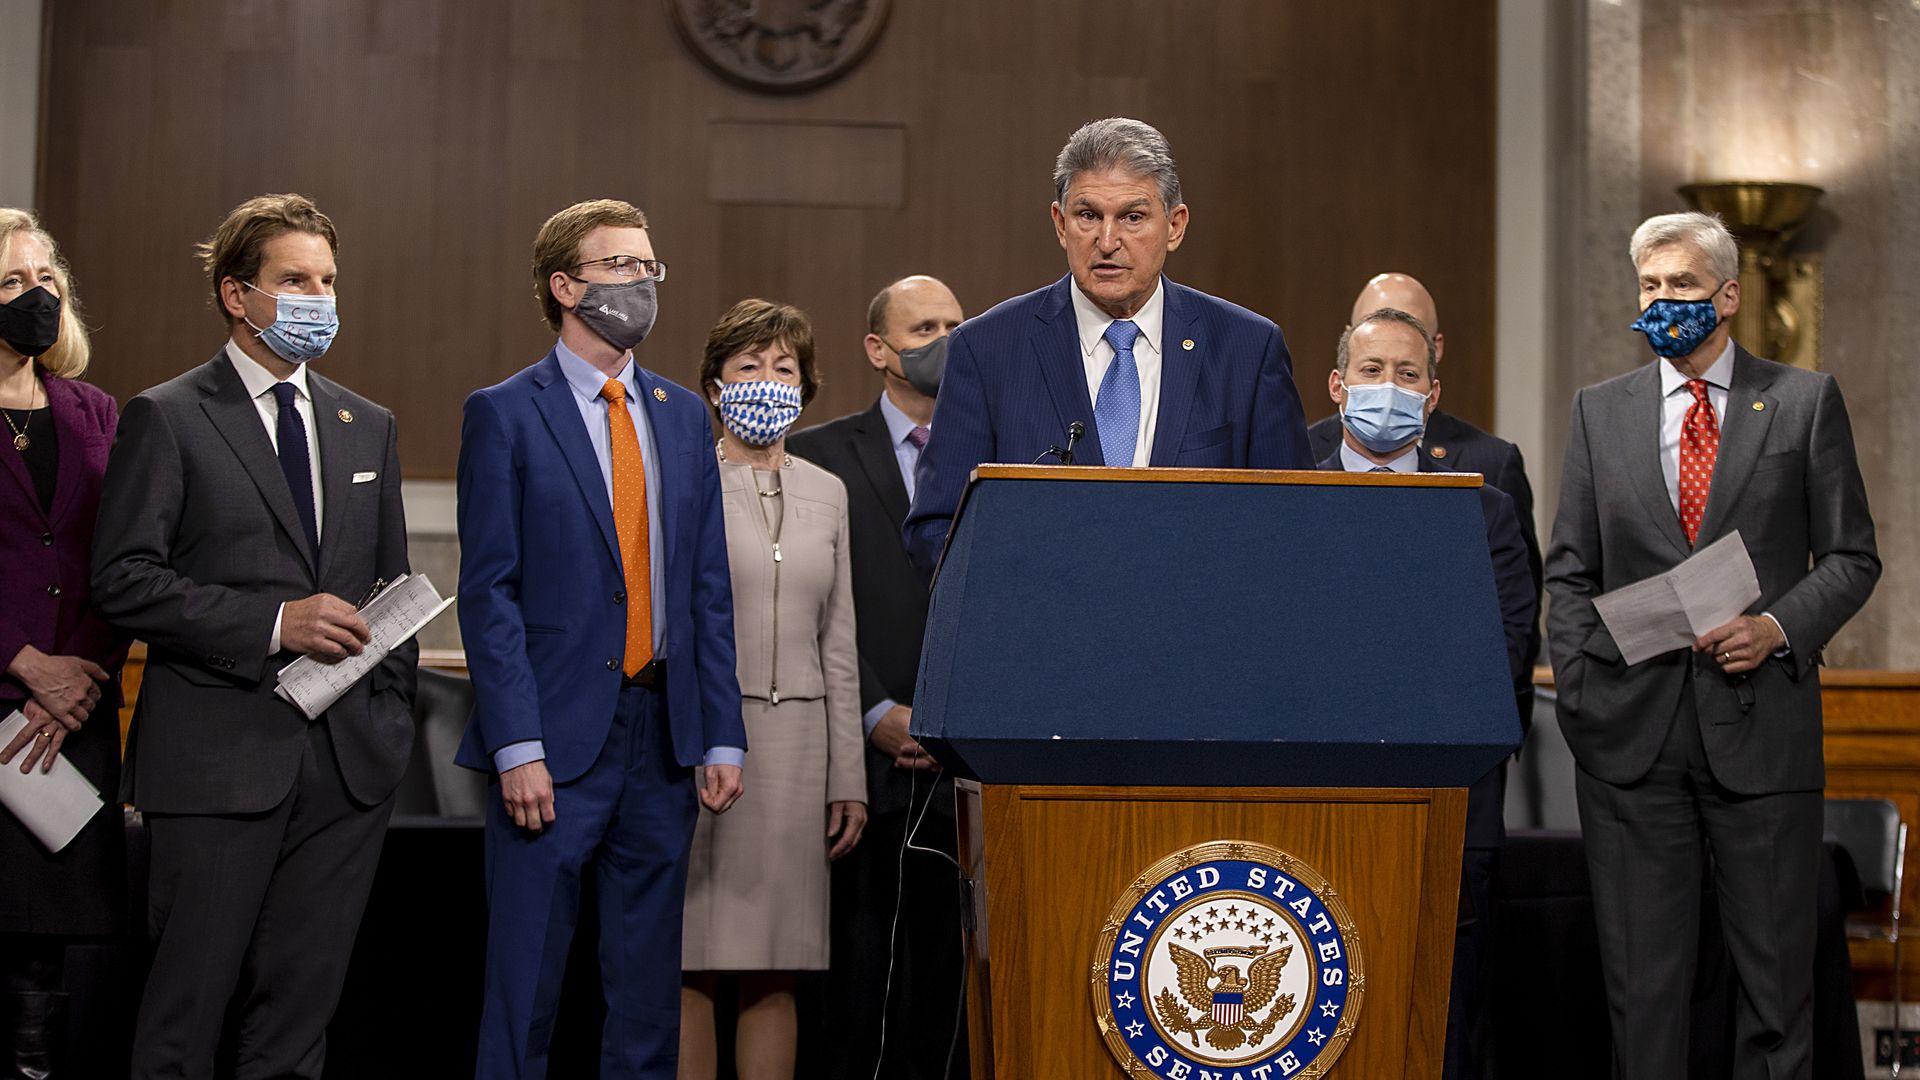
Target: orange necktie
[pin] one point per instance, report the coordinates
(630, 524)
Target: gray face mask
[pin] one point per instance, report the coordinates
(925, 365)
(621, 314)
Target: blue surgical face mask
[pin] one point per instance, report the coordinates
(1384, 417)
(303, 325)
(1676, 328)
(759, 412)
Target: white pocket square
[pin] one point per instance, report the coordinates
(363, 477)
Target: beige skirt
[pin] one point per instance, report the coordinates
(757, 879)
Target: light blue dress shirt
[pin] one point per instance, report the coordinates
(907, 456)
(1353, 461)
(586, 381)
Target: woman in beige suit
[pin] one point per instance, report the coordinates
(757, 883)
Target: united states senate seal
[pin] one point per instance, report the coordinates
(1228, 960)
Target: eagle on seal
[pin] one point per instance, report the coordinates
(1225, 999)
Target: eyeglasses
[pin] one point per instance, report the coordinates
(629, 267)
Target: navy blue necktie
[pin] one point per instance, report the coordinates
(1117, 414)
(291, 433)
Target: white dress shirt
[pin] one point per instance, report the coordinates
(1097, 355)
(1676, 399)
(259, 383)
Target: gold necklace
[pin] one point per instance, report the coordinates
(20, 440)
(786, 462)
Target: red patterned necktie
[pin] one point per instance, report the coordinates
(1699, 445)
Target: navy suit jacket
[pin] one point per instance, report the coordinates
(1015, 381)
(542, 592)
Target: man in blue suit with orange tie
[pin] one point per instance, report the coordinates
(1112, 364)
(597, 614)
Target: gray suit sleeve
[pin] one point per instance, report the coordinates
(1846, 561)
(1573, 562)
(134, 584)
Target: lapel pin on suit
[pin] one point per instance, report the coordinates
(1439, 453)
(659, 394)
(345, 415)
(1187, 344)
(1759, 406)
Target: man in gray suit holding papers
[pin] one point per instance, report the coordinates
(1712, 751)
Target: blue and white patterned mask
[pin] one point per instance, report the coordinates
(759, 412)
(303, 325)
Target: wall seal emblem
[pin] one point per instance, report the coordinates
(1228, 959)
(780, 45)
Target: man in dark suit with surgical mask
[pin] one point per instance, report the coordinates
(875, 452)
(248, 505)
(1712, 751)
(1385, 384)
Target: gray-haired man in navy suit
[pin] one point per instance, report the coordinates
(1153, 373)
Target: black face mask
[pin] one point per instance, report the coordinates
(31, 323)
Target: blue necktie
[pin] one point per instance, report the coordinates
(294, 462)
(1117, 414)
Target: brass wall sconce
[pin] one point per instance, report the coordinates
(1780, 289)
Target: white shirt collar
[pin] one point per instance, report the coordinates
(1093, 322)
(587, 380)
(258, 380)
(1720, 375)
(899, 424)
(1352, 460)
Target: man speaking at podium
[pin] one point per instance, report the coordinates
(1112, 364)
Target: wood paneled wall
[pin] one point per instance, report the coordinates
(1318, 144)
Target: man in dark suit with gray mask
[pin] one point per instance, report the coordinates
(875, 452)
(1714, 751)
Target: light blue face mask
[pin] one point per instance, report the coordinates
(759, 412)
(303, 325)
(1384, 417)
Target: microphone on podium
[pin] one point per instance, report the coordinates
(1075, 431)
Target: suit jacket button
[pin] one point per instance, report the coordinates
(613, 665)
(620, 596)
(46, 539)
(53, 590)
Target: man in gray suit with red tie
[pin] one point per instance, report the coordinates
(1709, 756)
(248, 504)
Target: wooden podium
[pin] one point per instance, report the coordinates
(1162, 687)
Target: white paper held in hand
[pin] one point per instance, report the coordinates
(54, 805)
(392, 617)
(1668, 611)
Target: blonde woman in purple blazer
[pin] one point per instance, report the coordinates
(59, 663)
